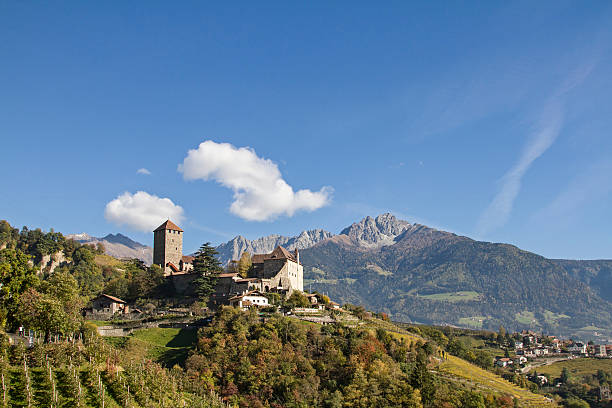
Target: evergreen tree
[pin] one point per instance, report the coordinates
(208, 268)
(565, 375)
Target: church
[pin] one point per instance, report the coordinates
(280, 271)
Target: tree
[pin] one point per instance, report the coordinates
(472, 399)
(565, 375)
(53, 308)
(297, 299)
(208, 268)
(143, 282)
(16, 276)
(43, 312)
(576, 403)
(422, 379)
(244, 264)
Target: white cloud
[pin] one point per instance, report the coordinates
(260, 193)
(143, 171)
(142, 211)
(542, 138)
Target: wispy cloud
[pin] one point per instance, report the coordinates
(143, 171)
(594, 182)
(543, 135)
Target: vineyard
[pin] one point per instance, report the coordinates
(92, 374)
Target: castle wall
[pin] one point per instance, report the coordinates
(183, 283)
(295, 274)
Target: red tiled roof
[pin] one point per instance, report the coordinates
(168, 225)
(116, 299)
(173, 267)
(187, 259)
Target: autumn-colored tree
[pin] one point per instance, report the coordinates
(244, 264)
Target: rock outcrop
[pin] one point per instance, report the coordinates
(376, 232)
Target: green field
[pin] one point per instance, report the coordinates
(168, 346)
(321, 281)
(472, 322)
(553, 318)
(526, 317)
(462, 296)
(379, 270)
(578, 367)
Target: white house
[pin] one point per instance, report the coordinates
(250, 299)
(578, 348)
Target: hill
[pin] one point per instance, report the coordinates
(118, 246)
(597, 274)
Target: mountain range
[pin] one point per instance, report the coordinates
(419, 274)
(118, 246)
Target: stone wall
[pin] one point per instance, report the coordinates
(184, 283)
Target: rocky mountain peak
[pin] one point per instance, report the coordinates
(239, 244)
(379, 231)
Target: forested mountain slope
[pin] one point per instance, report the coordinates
(432, 276)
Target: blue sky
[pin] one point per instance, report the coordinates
(489, 119)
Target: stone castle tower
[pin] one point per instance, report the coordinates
(168, 247)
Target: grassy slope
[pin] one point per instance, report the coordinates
(578, 367)
(453, 296)
(167, 345)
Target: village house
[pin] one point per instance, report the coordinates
(107, 305)
(598, 350)
(333, 305)
(578, 348)
(250, 299)
(518, 360)
(604, 393)
(503, 361)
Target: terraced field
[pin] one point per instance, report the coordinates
(456, 369)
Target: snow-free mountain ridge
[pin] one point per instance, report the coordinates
(118, 246)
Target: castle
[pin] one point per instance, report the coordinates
(279, 271)
(168, 249)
